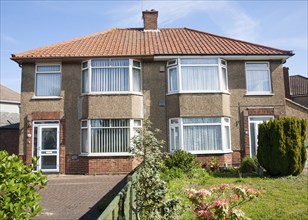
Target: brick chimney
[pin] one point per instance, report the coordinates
(286, 82)
(150, 20)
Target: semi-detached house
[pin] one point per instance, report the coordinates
(83, 99)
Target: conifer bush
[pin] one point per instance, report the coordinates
(281, 148)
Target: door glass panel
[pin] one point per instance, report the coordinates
(253, 139)
(49, 162)
(49, 138)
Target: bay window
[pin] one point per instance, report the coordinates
(258, 79)
(107, 136)
(48, 80)
(111, 76)
(200, 135)
(197, 75)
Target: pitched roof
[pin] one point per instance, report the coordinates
(8, 94)
(298, 85)
(137, 42)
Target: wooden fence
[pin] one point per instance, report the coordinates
(121, 207)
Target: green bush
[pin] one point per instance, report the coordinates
(182, 160)
(19, 187)
(249, 165)
(281, 149)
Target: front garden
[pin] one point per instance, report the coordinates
(177, 187)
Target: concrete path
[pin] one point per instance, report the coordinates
(76, 197)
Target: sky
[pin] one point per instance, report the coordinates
(27, 25)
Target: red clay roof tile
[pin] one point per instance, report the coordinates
(136, 42)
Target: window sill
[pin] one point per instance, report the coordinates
(259, 94)
(212, 152)
(46, 97)
(111, 93)
(105, 154)
(199, 92)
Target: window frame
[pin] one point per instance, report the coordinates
(42, 72)
(130, 77)
(88, 127)
(221, 63)
(222, 123)
(268, 69)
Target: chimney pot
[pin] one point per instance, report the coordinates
(150, 19)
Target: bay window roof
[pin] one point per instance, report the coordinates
(134, 42)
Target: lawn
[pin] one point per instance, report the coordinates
(283, 198)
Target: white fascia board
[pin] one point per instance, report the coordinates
(228, 57)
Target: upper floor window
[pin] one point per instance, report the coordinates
(197, 75)
(200, 135)
(48, 80)
(258, 79)
(111, 75)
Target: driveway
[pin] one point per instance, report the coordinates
(77, 196)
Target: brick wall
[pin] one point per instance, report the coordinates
(99, 165)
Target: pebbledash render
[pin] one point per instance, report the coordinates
(83, 99)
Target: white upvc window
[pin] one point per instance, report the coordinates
(48, 80)
(258, 78)
(200, 135)
(111, 76)
(107, 137)
(195, 75)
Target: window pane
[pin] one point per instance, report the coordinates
(119, 123)
(117, 62)
(136, 80)
(258, 81)
(200, 78)
(110, 79)
(202, 138)
(51, 68)
(85, 81)
(171, 62)
(227, 137)
(84, 64)
(173, 79)
(110, 140)
(99, 63)
(100, 123)
(48, 84)
(136, 63)
(137, 123)
(201, 120)
(84, 124)
(199, 61)
(256, 65)
(224, 79)
(84, 141)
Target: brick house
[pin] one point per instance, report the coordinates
(82, 99)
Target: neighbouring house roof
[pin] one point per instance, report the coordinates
(137, 42)
(298, 85)
(7, 94)
(7, 118)
(10, 126)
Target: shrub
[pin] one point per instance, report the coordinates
(182, 160)
(281, 149)
(249, 165)
(151, 190)
(221, 202)
(19, 187)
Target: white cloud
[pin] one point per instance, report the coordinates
(289, 42)
(228, 16)
(7, 39)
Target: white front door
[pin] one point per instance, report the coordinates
(254, 122)
(46, 145)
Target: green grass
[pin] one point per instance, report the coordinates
(283, 198)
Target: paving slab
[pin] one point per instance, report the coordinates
(76, 196)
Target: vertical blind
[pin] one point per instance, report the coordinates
(48, 81)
